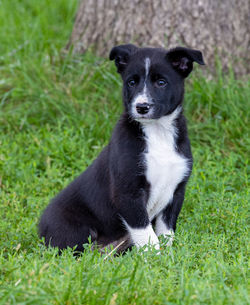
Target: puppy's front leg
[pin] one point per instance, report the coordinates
(166, 221)
(161, 228)
(135, 217)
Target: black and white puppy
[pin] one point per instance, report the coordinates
(140, 176)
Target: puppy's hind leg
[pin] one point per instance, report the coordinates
(120, 245)
(67, 235)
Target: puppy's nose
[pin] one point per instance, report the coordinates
(142, 108)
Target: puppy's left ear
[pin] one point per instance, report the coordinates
(121, 55)
(182, 59)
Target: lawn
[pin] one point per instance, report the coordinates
(57, 112)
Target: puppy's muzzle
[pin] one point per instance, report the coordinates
(143, 108)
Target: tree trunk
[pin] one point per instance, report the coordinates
(212, 26)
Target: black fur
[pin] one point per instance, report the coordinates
(114, 186)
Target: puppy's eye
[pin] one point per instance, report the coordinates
(131, 83)
(161, 83)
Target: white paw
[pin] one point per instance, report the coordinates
(145, 236)
(150, 246)
(169, 237)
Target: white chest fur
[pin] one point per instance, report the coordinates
(165, 168)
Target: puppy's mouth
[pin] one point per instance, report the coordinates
(142, 117)
(142, 111)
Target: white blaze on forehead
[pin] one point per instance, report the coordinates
(144, 97)
(147, 66)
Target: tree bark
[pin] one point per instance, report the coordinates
(217, 28)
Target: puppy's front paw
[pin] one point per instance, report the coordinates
(144, 237)
(150, 245)
(168, 238)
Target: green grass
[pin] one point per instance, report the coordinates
(57, 112)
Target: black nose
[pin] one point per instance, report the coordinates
(142, 108)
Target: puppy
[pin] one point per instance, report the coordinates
(135, 188)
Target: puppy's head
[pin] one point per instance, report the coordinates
(153, 78)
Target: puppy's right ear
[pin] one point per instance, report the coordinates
(121, 55)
